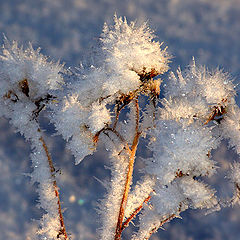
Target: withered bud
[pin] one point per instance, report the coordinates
(146, 76)
(11, 95)
(124, 100)
(155, 87)
(24, 87)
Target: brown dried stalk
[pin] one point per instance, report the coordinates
(129, 176)
(168, 219)
(153, 230)
(121, 138)
(62, 230)
(134, 214)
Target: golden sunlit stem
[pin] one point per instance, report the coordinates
(62, 231)
(128, 182)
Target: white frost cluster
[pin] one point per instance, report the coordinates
(180, 149)
(18, 64)
(27, 79)
(131, 47)
(183, 193)
(78, 124)
(127, 55)
(195, 92)
(169, 201)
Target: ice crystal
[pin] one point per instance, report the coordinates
(131, 47)
(27, 79)
(171, 142)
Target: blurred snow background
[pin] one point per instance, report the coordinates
(68, 30)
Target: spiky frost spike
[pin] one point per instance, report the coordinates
(132, 47)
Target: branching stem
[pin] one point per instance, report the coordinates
(167, 219)
(136, 211)
(120, 137)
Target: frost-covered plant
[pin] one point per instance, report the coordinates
(27, 80)
(101, 104)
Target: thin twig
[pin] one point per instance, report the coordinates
(133, 215)
(169, 218)
(125, 101)
(121, 138)
(117, 116)
(137, 116)
(153, 230)
(62, 231)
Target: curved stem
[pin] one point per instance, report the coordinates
(161, 223)
(121, 138)
(62, 230)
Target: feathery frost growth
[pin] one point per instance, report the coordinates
(102, 104)
(173, 141)
(27, 80)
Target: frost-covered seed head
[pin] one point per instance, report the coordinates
(179, 148)
(128, 47)
(27, 71)
(27, 79)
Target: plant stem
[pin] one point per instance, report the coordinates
(154, 229)
(168, 219)
(128, 182)
(62, 230)
(137, 210)
(121, 138)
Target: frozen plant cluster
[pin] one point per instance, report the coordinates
(117, 102)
